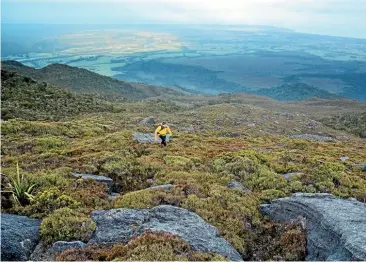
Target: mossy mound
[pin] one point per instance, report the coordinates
(147, 247)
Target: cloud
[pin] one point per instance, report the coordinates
(336, 17)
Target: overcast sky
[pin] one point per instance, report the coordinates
(331, 17)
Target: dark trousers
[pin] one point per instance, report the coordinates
(163, 140)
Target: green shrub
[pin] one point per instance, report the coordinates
(66, 224)
(45, 202)
(177, 160)
(49, 180)
(150, 198)
(49, 142)
(128, 174)
(271, 194)
(232, 212)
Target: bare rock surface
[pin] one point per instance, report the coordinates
(120, 225)
(19, 237)
(49, 252)
(166, 187)
(237, 185)
(148, 121)
(289, 175)
(336, 227)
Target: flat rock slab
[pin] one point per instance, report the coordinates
(289, 175)
(166, 187)
(336, 227)
(313, 137)
(19, 237)
(146, 138)
(120, 225)
(237, 185)
(99, 179)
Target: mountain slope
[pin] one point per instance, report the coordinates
(294, 92)
(22, 97)
(354, 123)
(83, 81)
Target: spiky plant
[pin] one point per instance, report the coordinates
(21, 189)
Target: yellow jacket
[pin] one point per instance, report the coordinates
(162, 130)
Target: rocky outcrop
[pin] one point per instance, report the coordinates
(237, 185)
(100, 179)
(19, 236)
(120, 225)
(48, 253)
(313, 137)
(148, 121)
(336, 227)
(146, 138)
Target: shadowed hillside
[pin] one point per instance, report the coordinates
(83, 81)
(22, 97)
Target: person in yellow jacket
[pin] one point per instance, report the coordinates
(162, 130)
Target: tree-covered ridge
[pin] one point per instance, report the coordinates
(83, 81)
(351, 123)
(22, 97)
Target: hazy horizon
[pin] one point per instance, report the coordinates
(326, 17)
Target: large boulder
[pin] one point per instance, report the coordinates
(19, 236)
(120, 225)
(336, 227)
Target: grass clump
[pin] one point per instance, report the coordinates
(66, 224)
(21, 188)
(179, 161)
(150, 198)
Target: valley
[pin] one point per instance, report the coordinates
(203, 59)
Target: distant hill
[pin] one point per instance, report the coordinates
(294, 92)
(22, 97)
(83, 81)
